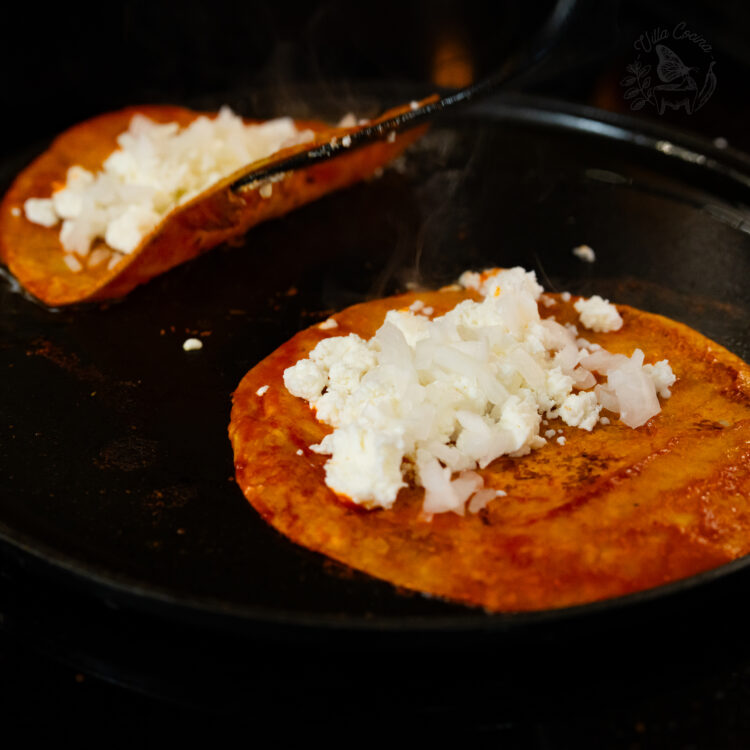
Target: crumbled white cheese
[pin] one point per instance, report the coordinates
(585, 253)
(40, 211)
(15, 211)
(262, 391)
(413, 327)
(305, 380)
(470, 280)
(509, 280)
(365, 464)
(580, 410)
(346, 141)
(155, 168)
(598, 314)
(565, 296)
(191, 345)
(327, 325)
(345, 359)
(445, 396)
(663, 377)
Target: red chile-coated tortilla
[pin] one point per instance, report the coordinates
(34, 254)
(610, 512)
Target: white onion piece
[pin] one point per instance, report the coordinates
(481, 440)
(635, 393)
(525, 364)
(480, 499)
(442, 494)
(567, 358)
(607, 398)
(583, 378)
(603, 361)
(556, 336)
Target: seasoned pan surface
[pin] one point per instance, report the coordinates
(115, 467)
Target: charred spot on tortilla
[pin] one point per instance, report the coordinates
(601, 513)
(123, 197)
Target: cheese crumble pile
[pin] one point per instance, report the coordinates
(439, 398)
(156, 168)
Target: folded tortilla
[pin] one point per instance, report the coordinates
(34, 255)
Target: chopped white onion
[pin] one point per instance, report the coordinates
(452, 394)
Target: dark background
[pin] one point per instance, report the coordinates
(62, 66)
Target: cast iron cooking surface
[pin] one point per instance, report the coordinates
(115, 466)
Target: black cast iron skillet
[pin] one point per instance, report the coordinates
(118, 507)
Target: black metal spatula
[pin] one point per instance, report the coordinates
(418, 113)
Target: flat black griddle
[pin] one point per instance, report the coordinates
(116, 475)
